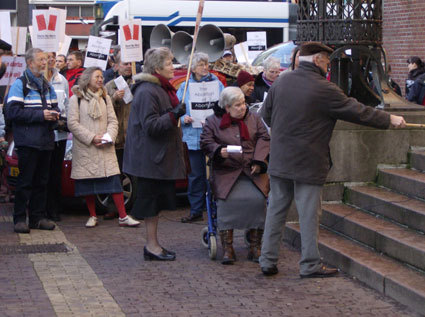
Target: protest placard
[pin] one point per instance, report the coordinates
(19, 40)
(15, 67)
(46, 30)
(5, 28)
(122, 85)
(257, 43)
(131, 40)
(241, 53)
(97, 52)
(64, 46)
(203, 96)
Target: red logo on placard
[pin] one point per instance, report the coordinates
(41, 22)
(127, 32)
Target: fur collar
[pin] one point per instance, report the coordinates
(138, 78)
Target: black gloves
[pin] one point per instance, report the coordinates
(179, 110)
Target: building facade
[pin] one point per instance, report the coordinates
(403, 34)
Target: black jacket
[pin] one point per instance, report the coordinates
(417, 90)
(302, 108)
(412, 76)
(260, 87)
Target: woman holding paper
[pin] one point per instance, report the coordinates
(237, 143)
(92, 121)
(192, 129)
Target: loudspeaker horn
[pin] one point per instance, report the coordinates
(161, 36)
(212, 41)
(181, 46)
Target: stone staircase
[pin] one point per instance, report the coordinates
(377, 235)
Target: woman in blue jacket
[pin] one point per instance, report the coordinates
(191, 135)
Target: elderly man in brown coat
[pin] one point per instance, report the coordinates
(302, 108)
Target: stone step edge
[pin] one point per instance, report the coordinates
(401, 192)
(398, 204)
(387, 277)
(383, 233)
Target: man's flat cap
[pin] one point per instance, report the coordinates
(311, 48)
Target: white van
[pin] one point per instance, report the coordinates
(277, 18)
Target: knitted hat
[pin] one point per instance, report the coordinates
(311, 48)
(244, 78)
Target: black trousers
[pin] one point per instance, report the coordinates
(31, 186)
(55, 176)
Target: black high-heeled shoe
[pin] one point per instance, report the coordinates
(163, 256)
(169, 252)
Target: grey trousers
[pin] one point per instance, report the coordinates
(308, 202)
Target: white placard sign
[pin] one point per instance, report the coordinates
(5, 29)
(131, 40)
(15, 67)
(241, 53)
(19, 37)
(97, 52)
(203, 96)
(46, 29)
(257, 43)
(61, 13)
(64, 46)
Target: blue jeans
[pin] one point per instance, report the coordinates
(197, 182)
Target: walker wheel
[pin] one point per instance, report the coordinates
(212, 248)
(204, 237)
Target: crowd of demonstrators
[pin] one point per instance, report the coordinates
(265, 79)
(61, 64)
(60, 85)
(94, 126)
(197, 186)
(416, 68)
(299, 159)
(33, 110)
(154, 149)
(74, 64)
(239, 180)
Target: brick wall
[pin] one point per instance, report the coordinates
(403, 34)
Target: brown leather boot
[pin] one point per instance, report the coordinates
(226, 237)
(254, 245)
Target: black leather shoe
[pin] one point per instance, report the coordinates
(192, 218)
(168, 251)
(43, 224)
(268, 271)
(163, 256)
(21, 227)
(324, 271)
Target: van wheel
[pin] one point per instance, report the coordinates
(105, 203)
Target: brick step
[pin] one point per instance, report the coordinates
(402, 180)
(402, 209)
(379, 272)
(386, 237)
(417, 159)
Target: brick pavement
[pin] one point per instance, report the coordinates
(193, 285)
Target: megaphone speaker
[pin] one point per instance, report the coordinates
(161, 36)
(212, 41)
(181, 46)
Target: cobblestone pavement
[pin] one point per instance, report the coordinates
(102, 273)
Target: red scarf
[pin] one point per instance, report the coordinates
(227, 120)
(171, 91)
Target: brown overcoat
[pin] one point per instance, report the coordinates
(122, 111)
(225, 172)
(89, 161)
